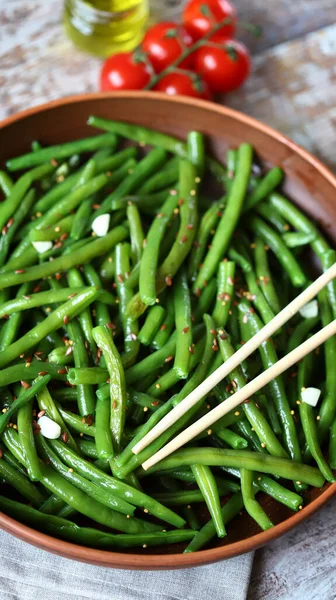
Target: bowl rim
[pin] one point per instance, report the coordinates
(167, 561)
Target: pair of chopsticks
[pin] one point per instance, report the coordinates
(234, 361)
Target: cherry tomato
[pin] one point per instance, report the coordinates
(164, 43)
(183, 84)
(225, 68)
(124, 72)
(197, 22)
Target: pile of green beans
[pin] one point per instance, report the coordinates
(105, 334)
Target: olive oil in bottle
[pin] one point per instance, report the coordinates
(105, 27)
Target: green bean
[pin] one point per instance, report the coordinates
(104, 340)
(198, 376)
(19, 190)
(244, 429)
(183, 326)
(300, 332)
(85, 393)
(165, 177)
(310, 432)
(229, 511)
(231, 438)
(21, 483)
(25, 302)
(103, 435)
(225, 289)
(327, 410)
(229, 218)
(152, 362)
(332, 446)
(264, 275)
(107, 269)
(265, 186)
(183, 242)
(9, 330)
(25, 430)
(327, 260)
(164, 333)
(295, 239)
(102, 496)
(76, 423)
(87, 375)
(251, 505)
(267, 212)
(6, 183)
(63, 263)
(299, 221)
(25, 161)
(121, 489)
(141, 134)
(253, 461)
(136, 232)
(81, 218)
(93, 538)
(88, 449)
(205, 301)
(196, 151)
(55, 320)
(52, 505)
(207, 225)
(14, 224)
(154, 319)
(250, 324)
(152, 161)
(130, 327)
(61, 356)
(150, 257)
(207, 485)
(22, 400)
(185, 497)
(253, 414)
(12, 461)
(281, 251)
(65, 395)
(48, 406)
(75, 280)
(61, 229)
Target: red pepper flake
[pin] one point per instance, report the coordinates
(89, 420)
(65, 319)
(190, 226)
(19, 271)
(198, 292)
(58, 277)
(219, 214)
(25, 384)
(41, 413)
(246, 402)
(163, 327)
(111, 326)
(64, 236)
(83, 420)
(95, 206)
(168, 359)
(160, 215)
(4, 230)
(36, 289)
(205, 283)
(223, 336)
(108, 380)
(214, 348)
(183, 239)
(191, 350)
(181, 202)
(54, 162)
(185, 330)
(197, 244)
(38, 353)
(213, 331)
(36, 429)
(65, 437)
(168, 281)
(42, 373)
(155, 403)
(114, 405)
(120, 278)
(1, 453)
(230, 280)
(10, 222)
(61, 371)
(5, 316)
(252, 311)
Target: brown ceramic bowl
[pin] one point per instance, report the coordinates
(308, 183)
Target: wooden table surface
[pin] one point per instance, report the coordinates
(292, 88)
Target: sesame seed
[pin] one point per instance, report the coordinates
(318, 418)
(292, 412)
(298, 482)
(263, 445)
(144, 545)
(209, 432)
(70, 470)
(157, 385)
(146, 510)
(300, 507)
(192, 192)
(145, 408)
(173, 192)
(237, 413)
(259, 478)
(128, 516)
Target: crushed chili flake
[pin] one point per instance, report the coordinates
(168, 281)
(163, 327)
(65, 320)
(65, 437)
(19, 271)
(25, 384)
(185, 330)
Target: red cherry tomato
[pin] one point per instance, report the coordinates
(123, 72)
(224, 69)
(183, 84)
(197, 22)
(164, 43)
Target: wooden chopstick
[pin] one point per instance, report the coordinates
(208, 384)
(248, 390)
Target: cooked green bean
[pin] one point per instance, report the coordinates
(225, 288)
(183, 325)
(154, 319)
(251, 505)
